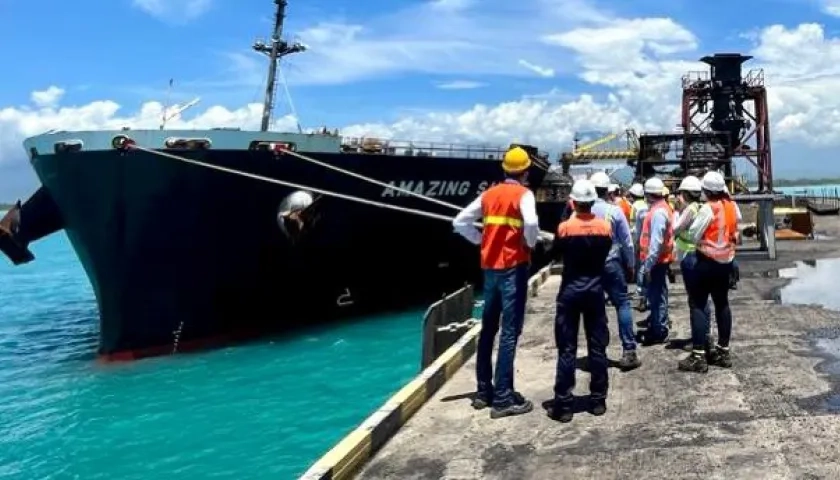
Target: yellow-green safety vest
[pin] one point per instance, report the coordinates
(682, 242)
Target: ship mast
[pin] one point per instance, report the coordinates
(278, 49)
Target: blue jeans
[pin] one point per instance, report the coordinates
(615, 285)
(505, 294)
(574, 301)
(712, 279)
(657, 295)
(688, 266)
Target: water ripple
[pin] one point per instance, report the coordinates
(259, 411)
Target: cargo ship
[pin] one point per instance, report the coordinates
(192, 238)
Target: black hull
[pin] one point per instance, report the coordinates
(181, 253)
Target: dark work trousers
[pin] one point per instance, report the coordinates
(505, 294)
(580, 297)
(710, 279)
(688, 267)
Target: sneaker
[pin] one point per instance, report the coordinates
(480, 402)
(598, 407)
(695, 362)
(629, 361)
(720, 358)
(511, 410)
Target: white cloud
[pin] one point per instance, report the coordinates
(638, 62)
(541, 71)
(174, 11)
(460, 85)
(831, 7)
(48, 97)
(441, 37)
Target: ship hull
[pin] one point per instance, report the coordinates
(180, 255)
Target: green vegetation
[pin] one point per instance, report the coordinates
(800, 182)
(5, 206)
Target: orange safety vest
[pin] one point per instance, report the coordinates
(666, 255)
(718, 242)
(503, 242)
(625, 207)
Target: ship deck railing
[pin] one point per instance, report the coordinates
(421, 149)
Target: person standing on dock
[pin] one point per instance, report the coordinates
(656, 245)
(736, 272)
(714, 231)
(638, 209)
(619, 265)
(511, 230)
(621, 202)
(639, 205)
(583, 244)
(689, 193)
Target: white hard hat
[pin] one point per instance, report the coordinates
(613, 188)
(714, 182)
(583, 191)
(690, 184)
(637, 190)
(654, 186)
(600, 180)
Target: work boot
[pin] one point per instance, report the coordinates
(561, 412)
(629, 361)
(720, 357)
(672, 277)
(598, 407)
(519, 406)
(647, 339)
(695, 362)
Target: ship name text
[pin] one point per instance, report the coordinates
(435, 188)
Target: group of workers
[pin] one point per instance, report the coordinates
(604, 240)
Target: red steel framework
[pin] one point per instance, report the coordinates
(742, 108)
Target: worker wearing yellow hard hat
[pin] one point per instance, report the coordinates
(511, 230)
(516, 161)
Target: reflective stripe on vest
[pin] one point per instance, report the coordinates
(718, 242)
(682, 242)
(666, 255)
(500, 220)
(502, 241)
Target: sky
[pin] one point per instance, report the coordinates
(458, 70)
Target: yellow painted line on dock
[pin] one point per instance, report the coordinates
(345, 459)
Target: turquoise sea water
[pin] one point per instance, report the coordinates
(265, 410)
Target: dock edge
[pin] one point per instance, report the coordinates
(345, 459)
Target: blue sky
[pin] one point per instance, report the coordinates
(383, 67)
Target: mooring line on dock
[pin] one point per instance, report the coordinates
(129, 144)
(369, 179)
(297, 186)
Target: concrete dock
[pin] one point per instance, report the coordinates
(772, 416)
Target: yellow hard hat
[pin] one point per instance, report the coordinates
(516, 160)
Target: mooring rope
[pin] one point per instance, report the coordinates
(297, 186)
(127, 143)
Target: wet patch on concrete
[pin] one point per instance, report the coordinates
(825, 345)
(813, 283)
